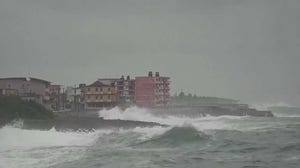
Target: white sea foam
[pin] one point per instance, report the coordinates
(11, 138)
(37, 148)
(287, 115)
(149, 132)
(142, 114)
(266, 106)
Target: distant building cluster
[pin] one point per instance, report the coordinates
(146, 91)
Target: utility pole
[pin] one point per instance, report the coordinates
(63, 98)
(75, 109)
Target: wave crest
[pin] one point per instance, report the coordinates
(177, 136)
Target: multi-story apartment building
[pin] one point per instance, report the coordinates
(124, 87)
(152, 91)
(125, 90)
(27, 88)
(109, 92)
(100, 94)
(55, 96)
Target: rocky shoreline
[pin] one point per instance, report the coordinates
(90, 120)
(83, 123)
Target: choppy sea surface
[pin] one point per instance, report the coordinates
(224, 141)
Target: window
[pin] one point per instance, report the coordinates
(101, 97)
(108, 97)
(97, 96)
(100, 89)
(88, 89)
(96, 89)
(108, 89)
(88, 97)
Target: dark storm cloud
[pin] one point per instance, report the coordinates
(242, 49)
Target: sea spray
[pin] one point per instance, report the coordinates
(266, 106)
(201, 123)
(18, 123)
(43, 148)
(198, 141)
(12, 137)
(143, 114)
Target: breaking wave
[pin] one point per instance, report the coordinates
(146, 115)
(266, 106)
(177, 136)
(13, 137)
(42, 148)
(185, 137)
(295, 115)
(201, 123)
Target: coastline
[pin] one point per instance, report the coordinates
(90, 120)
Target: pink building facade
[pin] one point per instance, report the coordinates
(152, 91)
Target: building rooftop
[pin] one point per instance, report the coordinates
(99, 84)
(152, 77)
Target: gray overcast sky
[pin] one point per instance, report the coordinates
(243, 49)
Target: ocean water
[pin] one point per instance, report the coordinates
(224, 141)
